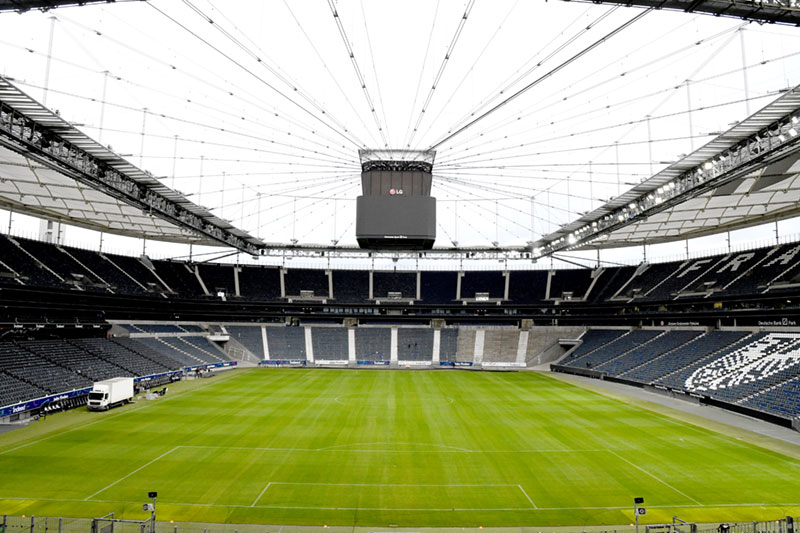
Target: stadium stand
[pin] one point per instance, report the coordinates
(260, 283)
(725, 271)
(527, 286)
(29, 269)
(138, 271)
(249, 337)
(415, 344)
(779, 272)
(13, 390)
(153, 354)
(612, 280)
(569, 284)
(117, 354)
(782, 399)
(658, 346)
(373, 344)
(438, 287)
(616, 348)
(156, 328)
(403, 283)
(24, 365)
(465, 347)
(298, 280)
(591, 341)
(350, 286)
(117, 279)
(287, 343)
(202, 348)
(180, 277)
(491, 283)
(218, 278)
(171, 350)
(767, 360)
(647, 277)
(500, 344)
(73, 358)
(62, 263)
(687, 354)
(677, 379)
(448, 344)
(329, 343)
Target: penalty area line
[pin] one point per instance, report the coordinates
(123, 478)
(260, 495)
(526, 495)
(639, 468)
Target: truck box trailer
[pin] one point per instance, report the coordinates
(110, 393)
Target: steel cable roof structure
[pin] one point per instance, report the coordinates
(519, 168)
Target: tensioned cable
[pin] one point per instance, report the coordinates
(407, 143)
(479, 187)
(307, 186)
(516, 177)
(275, 72)
(375, 70)
(344, 185)
(471, 68)
(496, 213)
(261, 174)
(344, 134)
(361, 81)
(325, 66)
(577, 149)
(215, 128)
(550, 73)
(205, 80)
(221, 145)
(561, 97)
(609, 127)
(439, 74)
(506, 84)
(303, 208)
(518, 196)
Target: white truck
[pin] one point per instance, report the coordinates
(110, 393)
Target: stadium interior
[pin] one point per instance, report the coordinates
(716, 328)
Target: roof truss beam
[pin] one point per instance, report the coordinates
(773, 143)
(45, 5)
(761, 11)
(25, 135)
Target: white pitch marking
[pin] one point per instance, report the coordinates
(606, 508)
(260, 495)
(396, 484)
(526, 495)
(131, 473)
(637, 467)
(372, 450)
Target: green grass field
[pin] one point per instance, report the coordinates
(413, 448)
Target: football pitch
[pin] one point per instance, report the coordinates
(378, 448)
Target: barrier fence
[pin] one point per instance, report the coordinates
(39, 524)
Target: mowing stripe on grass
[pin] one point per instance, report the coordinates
(123, 478)
(639, 468)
